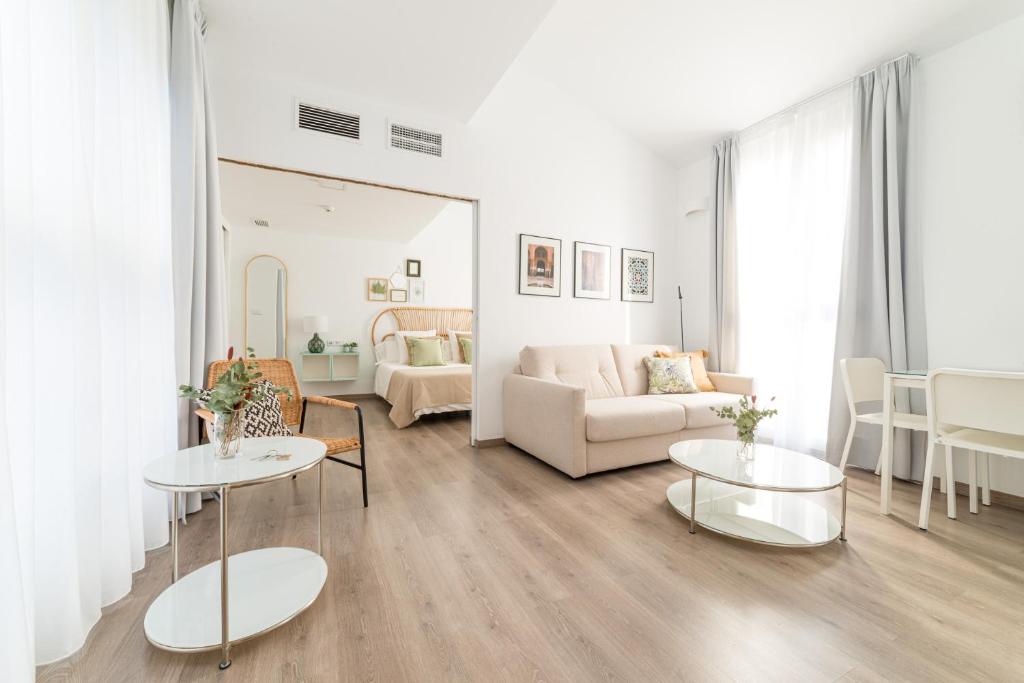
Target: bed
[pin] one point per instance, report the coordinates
(417, 391)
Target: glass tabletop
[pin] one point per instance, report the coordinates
(772, 468)
(198, 469)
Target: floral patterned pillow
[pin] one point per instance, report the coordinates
(670, 376)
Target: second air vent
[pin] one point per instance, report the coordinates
(328, 121)
(416, 140)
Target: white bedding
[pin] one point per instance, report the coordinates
(382, 379)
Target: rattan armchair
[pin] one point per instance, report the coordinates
(281, 372)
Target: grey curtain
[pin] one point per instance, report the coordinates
(881, 310)
(722, 325)
(200, 302)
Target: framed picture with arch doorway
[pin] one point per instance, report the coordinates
(540, 265)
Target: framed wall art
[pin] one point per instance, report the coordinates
(592, 271)
(637, 275)
(376, 289)
(540, 265)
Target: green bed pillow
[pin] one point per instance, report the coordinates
(424, 351)
(466, 344)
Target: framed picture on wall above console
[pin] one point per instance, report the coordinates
(637, 275)
(540, 265)
(376, 289)
(417, 290)
(592, 266)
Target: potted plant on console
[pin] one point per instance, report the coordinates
(746, 420)
(234, 391)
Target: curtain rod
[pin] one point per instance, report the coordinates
(821, 93)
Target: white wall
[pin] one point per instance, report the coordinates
(967, 203)
(538, 162)
(694, 249)
(327, 275)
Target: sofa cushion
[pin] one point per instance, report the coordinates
(700, 373)
(629, 360)
(628, 417)
(698, 406)
(590, 367)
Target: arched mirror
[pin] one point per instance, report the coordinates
(266, 306)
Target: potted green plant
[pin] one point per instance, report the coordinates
(746, 420)
(230, 395)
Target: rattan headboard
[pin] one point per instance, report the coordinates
(421, 318)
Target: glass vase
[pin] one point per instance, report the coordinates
(226, 435)
(745, 450)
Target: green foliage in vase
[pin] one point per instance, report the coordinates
(233, 390)
(747, 418)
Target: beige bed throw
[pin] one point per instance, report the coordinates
(413, 389)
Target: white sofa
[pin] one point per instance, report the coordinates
(586, 409)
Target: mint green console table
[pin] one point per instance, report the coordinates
(330, 366)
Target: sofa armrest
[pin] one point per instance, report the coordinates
(547, 420)
(732, 384)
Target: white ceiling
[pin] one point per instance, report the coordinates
(678, 74)
(296, 203)
(673, 74)
(441, 56)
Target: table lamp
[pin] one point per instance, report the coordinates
(315, 324)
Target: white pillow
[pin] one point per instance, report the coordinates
(453, 343)
(386, 351)
(403, 348)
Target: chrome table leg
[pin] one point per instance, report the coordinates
(174, 536)
(693, 503)
(320, 509)
(224, 644)
(842, 527)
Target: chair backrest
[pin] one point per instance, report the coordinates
(976, 399)
(863, 380)
(280, 371)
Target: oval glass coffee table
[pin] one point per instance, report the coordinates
(268, 586)
(759, 499)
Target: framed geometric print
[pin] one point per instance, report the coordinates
(637, 275)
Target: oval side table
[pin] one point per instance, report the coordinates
(269, 586)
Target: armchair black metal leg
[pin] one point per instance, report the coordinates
(362, 467)
(362, 456)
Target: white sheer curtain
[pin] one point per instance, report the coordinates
(792, 192)
(86, 313)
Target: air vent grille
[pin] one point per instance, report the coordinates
(328, 121)
(416, 140)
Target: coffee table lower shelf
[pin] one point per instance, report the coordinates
(769, 517)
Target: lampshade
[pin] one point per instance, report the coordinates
(314, 323)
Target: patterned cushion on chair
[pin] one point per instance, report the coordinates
(263, 417)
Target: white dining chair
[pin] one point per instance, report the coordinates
(977, 410)
(863, 380)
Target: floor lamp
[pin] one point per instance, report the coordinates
(682, 339)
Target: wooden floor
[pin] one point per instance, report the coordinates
(488, 565)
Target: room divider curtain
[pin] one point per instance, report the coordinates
(878, 315)
(200, 287)
(792, 190)
(722, 326)
(86, 316)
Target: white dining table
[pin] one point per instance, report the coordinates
(893, 380)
